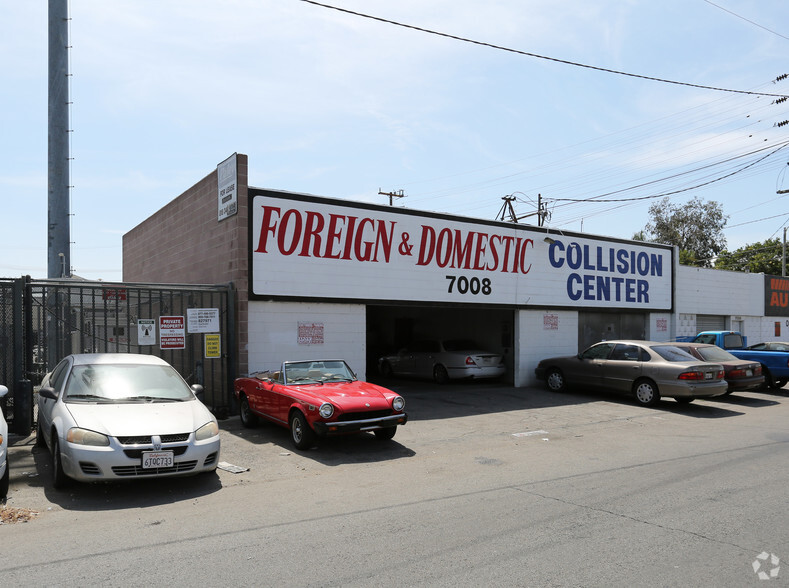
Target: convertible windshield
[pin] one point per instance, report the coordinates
(314, 372)
(125, 383)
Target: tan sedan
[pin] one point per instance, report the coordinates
(647, 370)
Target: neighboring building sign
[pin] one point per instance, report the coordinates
(776, 296)
(227, 187)
(203, 320)
(307, 247)
(172, 334)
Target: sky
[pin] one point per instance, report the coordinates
(488, 100)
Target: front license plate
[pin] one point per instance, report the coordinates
(157, 459)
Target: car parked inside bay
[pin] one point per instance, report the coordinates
(319, 398)
(740, 374)
(647, 370)
(120, 416)
(443, 360)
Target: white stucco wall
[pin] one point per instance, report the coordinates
(708, 291)
(274, 331)
(737, 296)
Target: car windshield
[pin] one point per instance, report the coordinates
(672, 353)
(715, 354)
(125, 383)
(317, 372)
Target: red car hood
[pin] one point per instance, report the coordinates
(349, 395)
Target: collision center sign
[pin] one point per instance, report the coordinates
(320, 248)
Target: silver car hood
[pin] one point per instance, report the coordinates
(150, 418)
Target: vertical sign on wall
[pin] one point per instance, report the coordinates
(227, 188)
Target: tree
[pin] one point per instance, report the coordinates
(757, 258)
(696, 228)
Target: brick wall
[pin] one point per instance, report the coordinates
(184, 243)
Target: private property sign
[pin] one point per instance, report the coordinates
(172, 332)
(307, 247)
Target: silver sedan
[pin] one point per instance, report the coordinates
(647, 370)
(121, 416)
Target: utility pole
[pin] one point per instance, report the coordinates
(398, 194)
(508, 210)
(58, 230)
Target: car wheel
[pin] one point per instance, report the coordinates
(555, 380)
(40, 441)
(248, 418)
(59, 478)
(778, 384)
(646, 392)
(4, 480)
(440, 374)
(684, 400)
(385, 434)
(386, 369)
(301, 434)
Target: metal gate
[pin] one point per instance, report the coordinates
(42, 321)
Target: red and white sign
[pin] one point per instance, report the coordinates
(320, 248)
(172, 332)
(310, 334)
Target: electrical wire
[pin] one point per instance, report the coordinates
(535, 55)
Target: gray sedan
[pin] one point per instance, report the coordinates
(120, 416)
(648, 370)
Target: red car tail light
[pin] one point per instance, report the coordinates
(470, 361)
(737, 373)
(691, 376)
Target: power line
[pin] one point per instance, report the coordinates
(536, 55)
(634, 199)
(746, 20)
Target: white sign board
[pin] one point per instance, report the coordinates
(146, 332)
(227, 187)
(318, 248)
(202, 320)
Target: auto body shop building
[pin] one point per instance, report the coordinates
(321, 277)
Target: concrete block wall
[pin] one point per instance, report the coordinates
(184, 243)
(273, 334)
(540, 334)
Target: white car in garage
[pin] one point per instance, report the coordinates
(443, 360)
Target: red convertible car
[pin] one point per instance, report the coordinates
(319, 398)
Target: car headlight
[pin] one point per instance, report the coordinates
(398, 403)
(207, 431)
(326, 410)
(86, 437)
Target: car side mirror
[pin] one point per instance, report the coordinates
(198, 391)
(48, 392)
(579, 355)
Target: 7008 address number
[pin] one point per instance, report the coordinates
(464, 285)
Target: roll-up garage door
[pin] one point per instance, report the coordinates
(710, 322)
